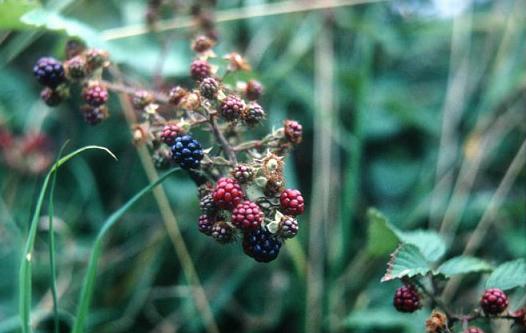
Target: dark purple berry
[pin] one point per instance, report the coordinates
(49, 72)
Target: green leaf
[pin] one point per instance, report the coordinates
(406, 261)
(463, 265)
(381, 238)
(430, 243)
(12, 10)
(508, 275)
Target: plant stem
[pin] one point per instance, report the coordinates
(227, 148)
(52, 261)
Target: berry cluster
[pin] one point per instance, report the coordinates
(83, 66)
(241, 184)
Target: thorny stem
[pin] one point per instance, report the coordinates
(253, 144)
(227, 148)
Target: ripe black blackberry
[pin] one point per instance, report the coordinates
(205, 224)
(243, 173)
(94, 115)
(199, 69)
(49, 72)
(223, 232)
(406, 299)
(232, 107)
(95, 94)
(261, 245)
(207, 204)
(253, 114)
(253, 90)
(494, 301)
(209, 87)
(288, 227)
(76, 68)
(187, 152)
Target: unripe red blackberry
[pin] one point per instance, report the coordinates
(232, 107)
(288, 227)
(170, 132)
(406, 299)
(142, 98)
(243, 173)
(94, 115)
(95, 58)
(494, 301)
(205, 224)
(76, 68)
(49, 72)
(223, 232)
(253, 114)
(292, 202)
(207, 205)
(53, 97)
(253, 90)
(199, 69)
(95, 94)
(473, 330)
(293, 131)
(227, 193)
(209, 87)
(177, 94)
(247, 215)
(202, 43)
(162, 158)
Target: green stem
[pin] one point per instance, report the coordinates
(89, 279)
(52, 261)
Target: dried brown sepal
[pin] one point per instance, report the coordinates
(237, 62)
(437, 322)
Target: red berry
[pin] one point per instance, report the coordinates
(494, 301)
(253, 90)
(199, 69)
(247, 215)
(473, 330)
(243, 173)
(232, 107)
(227, 193)
(169, 133)
(406, 299)
(293, 131)
(95, 94)
(94, 115)
(223, 232)
(292, 202)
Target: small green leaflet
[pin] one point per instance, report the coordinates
(406, 261)
(463, 265)
(509, 275)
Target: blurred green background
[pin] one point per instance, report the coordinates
(414, 107)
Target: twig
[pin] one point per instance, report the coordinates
(271, 9)
(227, 148)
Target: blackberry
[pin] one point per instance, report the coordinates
(253, 90)
(187, 152)
(494, 301)
(247, 215)
(231, 107)
(49, 72)
(261, 245)
(199, 69)
(223, 232)
(142, 98)
(169, 133)
(95, 94)
(177, 93)
(473, 330)
(293, 131)
(162, 158)
(202, 43)
(288, 227)
(96, 58)
(94, 115)
(205, 224)
(406, 299)
(53, 97)
(253, 114)
(292, 202)
(207, 205)
(209, 87)
(227, 193)
(243, 173)
(76, 68)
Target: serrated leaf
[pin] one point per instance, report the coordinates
(381, 239)
(406, 261)
(508, 275)
(463, 265)
(12, 10)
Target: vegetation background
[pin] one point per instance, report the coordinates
(414, 107)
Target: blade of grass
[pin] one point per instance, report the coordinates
(89, 279)
(25, 266)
